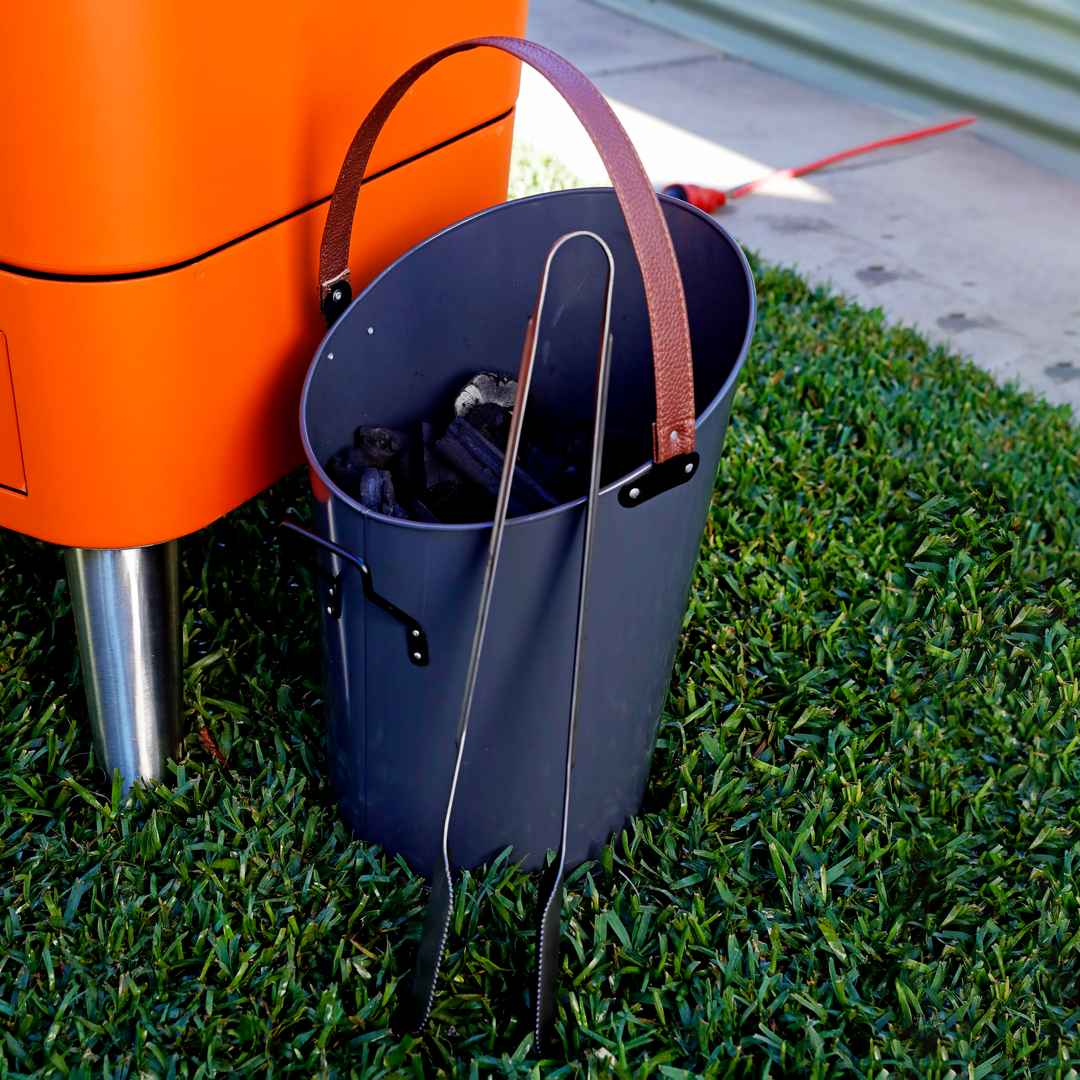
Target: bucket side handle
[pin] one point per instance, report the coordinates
(673, 432)
(415, 640)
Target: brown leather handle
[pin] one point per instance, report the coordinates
(673, 432)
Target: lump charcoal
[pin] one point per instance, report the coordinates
(336, 469)
(524, 486)
(380, 445)
(419, 512)
(392, 509)
(492, 421)
(346, 470)
(377, 493)
(458, 455)
(436, 469)
(482, 462)
(483, 388)
(447, 495)
(371, 490)
(397, 452)
(461, 504)
(403, 471)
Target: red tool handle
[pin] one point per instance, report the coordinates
(709, 199)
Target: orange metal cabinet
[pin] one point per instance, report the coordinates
(138, 135)
(149, 407)
(165, 181)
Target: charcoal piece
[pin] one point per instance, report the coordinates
(377, 493)
(483, 388)
(492, 421)
(481, 462)
(336, 469)
(524, 487)
(372, 489)
(472, 469)
(381, 445)
(395, 451)
(419, 512)
(436, 469)
(461, 504)
(403, 471)
(446, 492)
(346, 470)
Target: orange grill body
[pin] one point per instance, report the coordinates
(165, 178)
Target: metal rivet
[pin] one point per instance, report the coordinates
(329, 356)
(417, 656)
(329, 610)
(416, 633)
(371, 329)
(337, 295)
(674, 436)
(689, 468)
(634, 493)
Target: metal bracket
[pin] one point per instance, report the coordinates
(673, 472)
(338, 297)
(416, 639)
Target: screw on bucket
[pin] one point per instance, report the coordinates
(415, 1009)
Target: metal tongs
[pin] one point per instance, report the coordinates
(414, 1010)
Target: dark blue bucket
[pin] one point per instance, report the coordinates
(457, 304)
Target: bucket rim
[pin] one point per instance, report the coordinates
(320, 353)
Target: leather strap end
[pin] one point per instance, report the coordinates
(326, 286)
(669, 442)
(336, 297)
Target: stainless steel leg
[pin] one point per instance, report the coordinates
(126, 603)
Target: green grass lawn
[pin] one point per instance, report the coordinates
(858, 851)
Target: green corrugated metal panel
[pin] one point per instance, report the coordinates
(1016, 62)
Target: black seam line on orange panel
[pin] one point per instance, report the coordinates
(132, 275)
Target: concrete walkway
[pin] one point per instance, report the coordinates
(955, 235)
